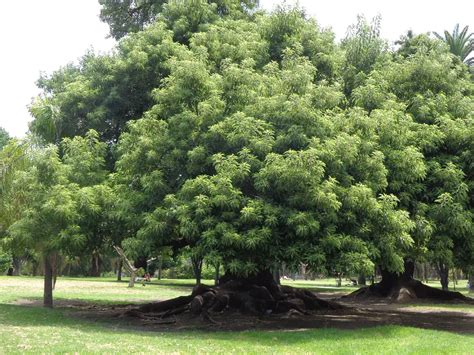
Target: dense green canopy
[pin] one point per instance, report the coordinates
(256, 139)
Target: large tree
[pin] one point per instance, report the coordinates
(254, 139)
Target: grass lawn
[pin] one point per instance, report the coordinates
(36, 330)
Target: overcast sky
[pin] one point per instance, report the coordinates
(42, 35)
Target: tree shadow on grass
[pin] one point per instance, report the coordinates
(125, 334)
(112, 314)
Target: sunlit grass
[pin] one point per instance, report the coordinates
(33, 329)
(38, 330)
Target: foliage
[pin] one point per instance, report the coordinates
(4, 138)
(460, 44)
(254, 139)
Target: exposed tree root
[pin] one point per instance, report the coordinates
(404, 288)
(258, 296)
(406, 291)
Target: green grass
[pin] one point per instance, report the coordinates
(38, 330)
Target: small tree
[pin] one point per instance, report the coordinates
(48, 224)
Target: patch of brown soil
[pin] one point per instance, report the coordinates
(365, 315)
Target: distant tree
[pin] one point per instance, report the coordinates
(460, 44)
(4, 137)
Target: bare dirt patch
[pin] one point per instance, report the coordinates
(355, 316)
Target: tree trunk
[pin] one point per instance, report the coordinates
(119, 270)
(48, 282)
(258, 294)
(443, 272)
(216, 275)
(160, 266)
(471, 282)
(403, 287)
(16, 266)
(303, 270)
(196, 261)
(95, 265)
(276, 274)
(54, 261)
(361, 280)
(128, 265)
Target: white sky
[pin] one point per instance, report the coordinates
(42, 35)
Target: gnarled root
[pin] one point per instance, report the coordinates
(256, 296)
(404, 290)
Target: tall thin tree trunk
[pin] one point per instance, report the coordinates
(119, 270)
(48, 282)
(160, 266)
(361, 280)
(196, 261)
(95, 265)
(471, 281)
(217, 274)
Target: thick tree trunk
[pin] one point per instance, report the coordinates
(95, 265)
(48, 282)
(16, 266)
(258, 295)
(403, 287)
(196, 261)
(361, 280)
(443, 272)
(276, 274)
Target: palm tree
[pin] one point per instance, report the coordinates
(460, 43)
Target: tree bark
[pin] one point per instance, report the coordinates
(403, 287)
(119, 270)
(196, 261)
(257, 294)
(16, 266)
(54, 267)
(443, 272)
(128, 265)
(471, 282)
(361, 280)
(95, 265)
(216, 275)
(276, 274)
(160, 266)
(48, 282)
